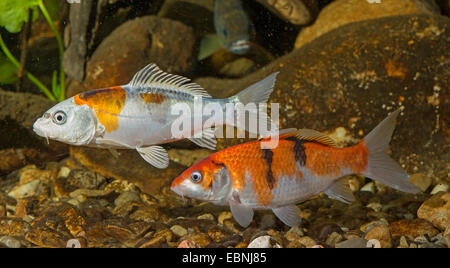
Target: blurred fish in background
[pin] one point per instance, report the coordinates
(233, 30)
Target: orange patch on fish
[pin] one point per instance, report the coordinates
(254, 166)
(328, 161)
(107, 104)
(152, 98)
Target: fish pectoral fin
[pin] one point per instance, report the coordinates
(340, 191)
(241, 213)
(155, 155)
(289, 215)
(207, 139)
(209, 44)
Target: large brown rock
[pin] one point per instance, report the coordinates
(19, 145)
(351, 78)
(135, 44)
(341, 12)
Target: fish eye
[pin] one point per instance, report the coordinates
(196, 176)
(59, 117)
(225, 32)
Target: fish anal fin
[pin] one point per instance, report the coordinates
(289, 215)
(340, 191)
(157, 156)
(314, 135)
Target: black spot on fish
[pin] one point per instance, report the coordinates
(86, 95)
(268, 156)
(218, 164)
(299, 150)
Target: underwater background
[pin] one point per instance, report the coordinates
(344, 65)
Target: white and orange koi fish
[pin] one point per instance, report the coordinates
(305, 163)
(138, 115)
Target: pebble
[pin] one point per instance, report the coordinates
(226, 215)
(420, 180)
(63, 172)
(127, 197)
(10, 242)
(446, 236)
(307, 241)
(436, 210)
(354, 183)
(178, 230)
(13, 226)
(373, 243)
(381, 233)
(352, 243)
(369, 187)
(412, 228)
(201, 239)
(25, 190)
(264, 242)
(297, 230)
(188, 244)
(403, 243)
(333, 239)
(207, 216)
(440, 187)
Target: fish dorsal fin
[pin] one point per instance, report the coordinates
(314, 135)
(281, 133)
(152, 76)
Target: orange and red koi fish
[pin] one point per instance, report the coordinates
(304, 163)
(139, 115)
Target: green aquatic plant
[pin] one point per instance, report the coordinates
(13, 14)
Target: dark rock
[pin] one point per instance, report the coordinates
(19, 145)
(197, 14)
(132, 46)
(354, 76)
(129, 166)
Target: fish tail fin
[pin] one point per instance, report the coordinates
(381, 167)
(257, 93)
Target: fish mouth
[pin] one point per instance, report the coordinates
(240, 47)
(38, 131)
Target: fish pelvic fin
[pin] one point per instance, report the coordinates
(381, 167)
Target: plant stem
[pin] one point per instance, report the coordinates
(23, 53)
(60, 46)
(16, 63)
